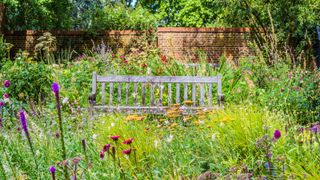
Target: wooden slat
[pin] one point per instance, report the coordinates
(157, 79)
(127, 93)
(119, 93)
(185, 92)
(194, 93)
(143, 93)
(201, 94)
(178, 93)
(152, 94)
(161, 94)
(210, 94)
(103, 93)
(110, 93)
(169, 94)
(135, 93)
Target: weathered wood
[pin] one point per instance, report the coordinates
(161, 93)
(152, 94)
(201, 94)
(194, 93)
(178, 93)
(127, 93)
(157, 79)
(103, 94)
(110, 93)
(169, 94)
(119, 93)
(156, 104)
(135, 95)
(185, 91)
(210, 94)
(143, 93)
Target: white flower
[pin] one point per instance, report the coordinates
(201, 122)
(213, 137)
(170, 138)
(94, 137)
(167, 122)
(113, 124)
(156, 143)
(65, 100)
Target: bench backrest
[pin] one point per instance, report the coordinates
(160, 86)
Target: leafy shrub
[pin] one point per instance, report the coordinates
(4, 48)
(29, 79)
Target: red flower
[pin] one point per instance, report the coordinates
(121, 57)
(101, 154)
(144, 65)
(127, 152)
(115, 138)
(129, 141)
(106, 147)
(113, 55)
(125, 61)
(164, 59)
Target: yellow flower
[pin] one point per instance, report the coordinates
(188, 102)
(174, 125)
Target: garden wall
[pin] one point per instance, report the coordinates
(184, 42)
(181, 43)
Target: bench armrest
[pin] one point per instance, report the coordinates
(92, 99)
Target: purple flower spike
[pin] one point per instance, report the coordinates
(6, 83)
(55, 88)
(52, 169)
(315, 128)
(276, 134)
(23, 121)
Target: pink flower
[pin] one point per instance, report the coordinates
(128, 141)
(106, 147)
(1, 103)
(5, 95)
(115, 138)
(101, 154)
(127, 152)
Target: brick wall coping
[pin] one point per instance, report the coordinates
(71, 32)
(204, 30)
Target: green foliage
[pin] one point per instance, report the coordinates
(4, 49)
(29, 79)
(120, 17)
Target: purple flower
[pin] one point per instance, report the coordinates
(5, 95)
(52, 169)
(55, 88)
(128, 141)
(315, 128)
(23, 121)
(1, 103)
(276, 134)
(6, 83)
(101, 154)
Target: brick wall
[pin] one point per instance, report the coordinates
(120, 41)
(1, 17)
(183, 43)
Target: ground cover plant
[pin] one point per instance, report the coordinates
(268, 128)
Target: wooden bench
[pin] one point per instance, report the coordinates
(132, 96)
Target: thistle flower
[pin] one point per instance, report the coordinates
(106, 147)
(128, 141)
(115, 138)
(1, 103)
(52, 170)
(101, 154)
(127, 152)
(6, 83)
(276, 134)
